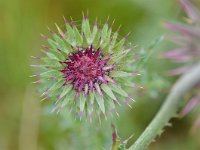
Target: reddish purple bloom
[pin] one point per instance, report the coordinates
(86, 69)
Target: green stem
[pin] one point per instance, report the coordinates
(168, 109)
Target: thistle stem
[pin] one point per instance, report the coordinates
(168, 109)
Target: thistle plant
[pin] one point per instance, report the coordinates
(188, 37)
(86, 70)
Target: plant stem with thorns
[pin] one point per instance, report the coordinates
(169, 108)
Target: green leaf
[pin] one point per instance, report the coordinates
(100, 102)
(119, 90)
(108, 91)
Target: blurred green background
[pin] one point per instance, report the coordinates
(28, 124)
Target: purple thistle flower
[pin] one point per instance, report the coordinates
(188, 38)
(86, 70)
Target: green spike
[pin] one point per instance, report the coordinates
(100, 102)
(67, 98)
(82, 99)
(120, 55)
(111, 104)
(54, 89)
(70, 37)
(119, 46)
(55, 55)
(94, 33)
(120, 74)
(57, 85)
(60, 31)
(57, 41)
(59, 44)
(109, 34)
(53, 44)
(118, 89)
(51, 62)
(52, 73)
(113, 41)
(78, 37)
(65, 51)
(91, 94)
(66, 89)
(86, 30)
(108, 91)
(104, 33)
(96, 41)
(89, 110)
(107, 40)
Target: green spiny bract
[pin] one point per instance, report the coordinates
(86, 70)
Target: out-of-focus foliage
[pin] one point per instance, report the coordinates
(27, 124)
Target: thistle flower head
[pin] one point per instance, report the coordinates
(85, 70)
(188, 37)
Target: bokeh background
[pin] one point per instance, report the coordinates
(28, 124)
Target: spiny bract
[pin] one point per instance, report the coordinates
(85, 70)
